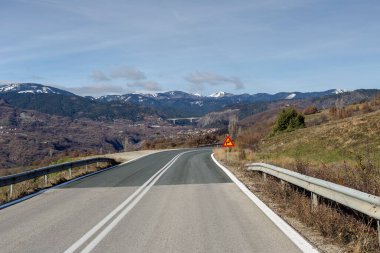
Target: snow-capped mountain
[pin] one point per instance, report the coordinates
(291, 96)
(32, 88)
(220, 94)
(339, 91)
(164, 104)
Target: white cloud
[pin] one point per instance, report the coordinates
(129, 73)
(200, 79)
(146, 85)
(96, 90)
(37, 77)
(99, 76)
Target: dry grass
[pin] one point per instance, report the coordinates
(345, 151)
(27, 187)
(352, 233)
(338, 145)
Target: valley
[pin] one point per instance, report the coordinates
(40, 124)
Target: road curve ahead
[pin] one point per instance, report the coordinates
(173, 201)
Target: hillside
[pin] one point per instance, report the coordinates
(338, 145)
(336, 141)
(30, 137)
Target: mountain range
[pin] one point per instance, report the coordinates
(135, 106)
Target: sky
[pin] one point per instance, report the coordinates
(93, 47)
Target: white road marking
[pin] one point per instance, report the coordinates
(292, 234)
(16, 201)
(126, 204)
(108, 229)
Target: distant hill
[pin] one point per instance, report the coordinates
(54, 101)
(32, 88)
(170, 104)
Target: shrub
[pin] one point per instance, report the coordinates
(288, 120)
(333, 111)
(310, 110)
(318, 121)
(366, 108)
(341, 113)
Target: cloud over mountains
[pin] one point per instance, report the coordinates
(118, 80)
(202, 79)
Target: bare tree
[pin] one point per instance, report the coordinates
(126, 141)
(232, 126)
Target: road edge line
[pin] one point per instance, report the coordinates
(290, 232)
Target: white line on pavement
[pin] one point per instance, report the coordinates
(126, 204)
(16, 201)
(292, 234)
(113, 224)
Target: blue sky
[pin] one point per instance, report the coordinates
(94, 47)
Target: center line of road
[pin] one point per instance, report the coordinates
(143, 189)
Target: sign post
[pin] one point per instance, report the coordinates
(228, 143)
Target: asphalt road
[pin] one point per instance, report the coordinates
(165, 202)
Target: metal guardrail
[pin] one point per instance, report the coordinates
(10, 180)
(360, 201)
(210, 145)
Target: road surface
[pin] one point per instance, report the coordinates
(174, 201)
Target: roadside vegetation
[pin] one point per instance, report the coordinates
(340, 144)
(182, 142)
(288, 120)
(67, 156)
(29, 186)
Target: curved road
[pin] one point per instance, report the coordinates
(173, 201)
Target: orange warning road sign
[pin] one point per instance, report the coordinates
(228, 142)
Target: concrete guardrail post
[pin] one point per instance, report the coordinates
(264, 176)
(314, 200)
(10, 180)
(378, 230)
(10, 191)
(360, 201)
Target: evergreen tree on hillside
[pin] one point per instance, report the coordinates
(288, 120)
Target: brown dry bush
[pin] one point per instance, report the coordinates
(317, 121)
(310, 110)
(332, 222)
(250, 140)
(363, 176)
(341, 113)
(354, 233)
(366, 108)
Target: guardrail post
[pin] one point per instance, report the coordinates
(10, 191)
(378, 230)
(282, 184)
(264, 176)
(70, 172)
(86, 167)
(314, 200)
(46, 180)
(97, 164)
